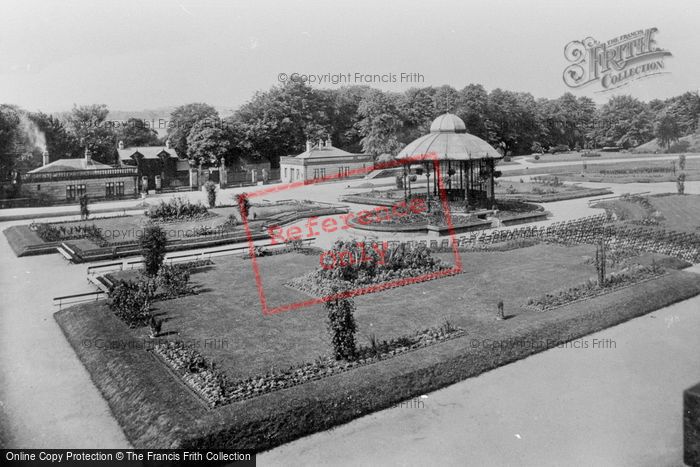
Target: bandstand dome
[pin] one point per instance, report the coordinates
(448, 140)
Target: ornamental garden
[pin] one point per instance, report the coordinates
(209, 369)
(407, 287)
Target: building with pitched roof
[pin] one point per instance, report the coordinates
(66, 180)
(321, 160)
(158, 166)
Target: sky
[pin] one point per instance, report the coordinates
(135, 55)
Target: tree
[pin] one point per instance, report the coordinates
(206, 143)
(417, 110)
(89, 127)
(60, 143)
(512, 121)
(210, 188)
(153, 244)
(472, 107)
(623, 121)
(183, 118)
(279, 121)
(342, 327)
(10, 134)
(135, 132)
(666, 129)
(379, 124)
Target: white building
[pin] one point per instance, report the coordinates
(322, 160)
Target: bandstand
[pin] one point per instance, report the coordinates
(467, 163)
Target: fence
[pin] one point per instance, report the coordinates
(77, 298)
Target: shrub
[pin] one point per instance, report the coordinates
(342, 328)
(174, 281)
(210, 189)
(231, 222)
(131, 301)
(537, 157)
(680, 183)
(155, 325)
(680, 146)
(243, 204)
(153, 244)
(499, 310)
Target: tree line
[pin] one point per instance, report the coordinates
(279, 121)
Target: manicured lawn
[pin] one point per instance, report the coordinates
(528, 187)
(229, 309)
(678, 212)
(155, 409)
(576, 156)
(592, 173)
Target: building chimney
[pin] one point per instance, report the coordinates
(309, 145)
(167, 143)
(328, 142)
(121, 144)
(88, 156)
(45, 157)
(320, 143)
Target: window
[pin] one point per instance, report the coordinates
(70, 192)
(347, 171)
(109, 189)
(38, 188)
(319, 173)
(120, 188)
(81, 190)
(285, 173)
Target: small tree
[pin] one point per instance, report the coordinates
(243, 204)
(84, 211)
(600, 259)
(153, 244)
(342, 328)
(680, 183)
(210, 188)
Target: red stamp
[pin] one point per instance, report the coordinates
(369, 252)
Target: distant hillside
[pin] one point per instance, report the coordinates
(654, 146)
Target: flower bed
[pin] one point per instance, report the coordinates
(591, 288)
(176, 209)
(367, 267)
(59, 233)
(211, 383)
(196, 372)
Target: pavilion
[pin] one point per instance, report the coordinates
(467, 162)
